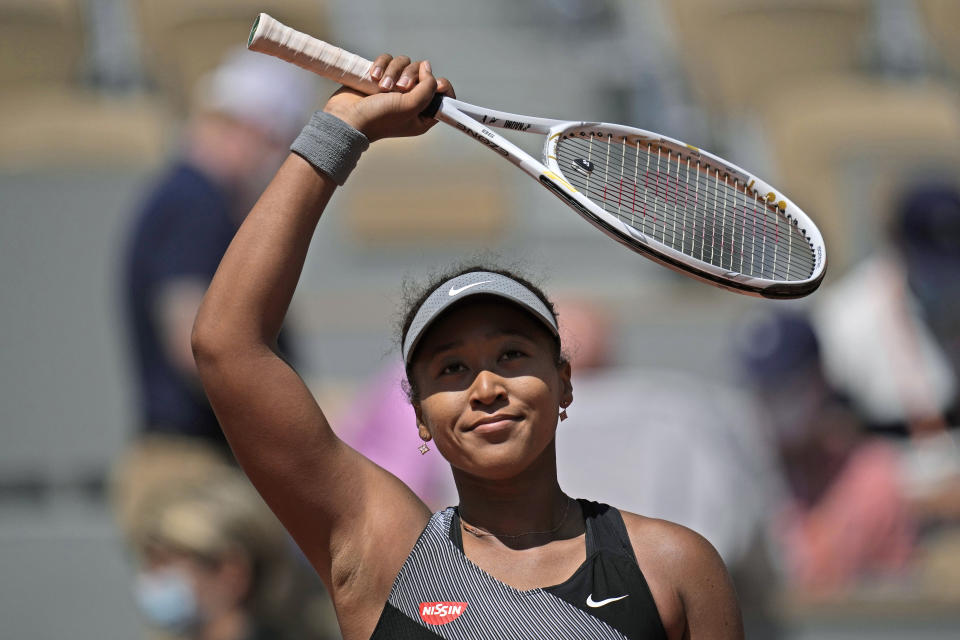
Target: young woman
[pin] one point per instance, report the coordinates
(517, 558)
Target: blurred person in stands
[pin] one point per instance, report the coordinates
(844, 514)
(377, 424)
(246, 113)
(891, 338)
(212, 563)
(890, 329)
(674, 445)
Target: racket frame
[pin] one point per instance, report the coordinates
(476, 122)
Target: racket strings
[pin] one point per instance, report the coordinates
(687, 205)
(665, 182)
(750, 218)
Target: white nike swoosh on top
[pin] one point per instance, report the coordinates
(454, 291)
(592, 603)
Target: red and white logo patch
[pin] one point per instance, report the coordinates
(441, 612)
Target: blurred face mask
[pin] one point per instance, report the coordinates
(166, 599)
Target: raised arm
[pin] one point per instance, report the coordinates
(324, 492)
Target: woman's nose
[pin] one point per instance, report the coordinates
(487, 388)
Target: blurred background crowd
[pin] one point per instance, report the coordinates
(813, 442)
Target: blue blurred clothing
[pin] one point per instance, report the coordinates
(181, 233)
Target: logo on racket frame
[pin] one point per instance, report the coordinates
(483, 139)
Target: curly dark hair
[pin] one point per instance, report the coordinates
(414, 296)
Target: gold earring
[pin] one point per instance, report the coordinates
(424, 448)
(563, 414)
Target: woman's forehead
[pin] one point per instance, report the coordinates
(477, 319)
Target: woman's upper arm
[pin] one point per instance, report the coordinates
(708, 595)
(322, 490)
(688, 580)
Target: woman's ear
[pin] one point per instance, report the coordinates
(566, 391)
(421, 426)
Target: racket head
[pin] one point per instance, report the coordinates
(685, 208)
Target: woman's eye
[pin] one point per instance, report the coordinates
(456, 367)
(512, 354)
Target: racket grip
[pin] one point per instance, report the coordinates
(274, 38)
(433, 107)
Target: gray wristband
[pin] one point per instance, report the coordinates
(330, 145)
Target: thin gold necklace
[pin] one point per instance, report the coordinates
(478, 532)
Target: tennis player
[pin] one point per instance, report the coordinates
(518, 558)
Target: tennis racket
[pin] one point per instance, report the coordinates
(669, 201)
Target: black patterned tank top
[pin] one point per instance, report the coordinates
(440, 593)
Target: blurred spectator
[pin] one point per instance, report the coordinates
(245, 114)
(381, 424)
(213, 563)
(891, 327)
(845, 514)
(247, 111)
(891, 342)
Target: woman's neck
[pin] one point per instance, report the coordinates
(529, 505)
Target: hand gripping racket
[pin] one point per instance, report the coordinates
(669, 201)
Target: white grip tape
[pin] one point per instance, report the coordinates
(277, 39)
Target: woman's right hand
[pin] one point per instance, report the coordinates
(406, 90)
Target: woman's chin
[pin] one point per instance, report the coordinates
(497, 462)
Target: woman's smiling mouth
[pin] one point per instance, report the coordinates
(494, 423)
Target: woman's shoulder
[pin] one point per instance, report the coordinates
(667, 544)
(686, 575)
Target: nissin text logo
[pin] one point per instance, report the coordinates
(438, 613)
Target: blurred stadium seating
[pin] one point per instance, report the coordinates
(739, 51)
(41, 41)
(68, 127)
(388, 205)
(941, 19)
(49, 115)
(183, 39)
(846, 145)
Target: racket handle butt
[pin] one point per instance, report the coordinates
(433, 107)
